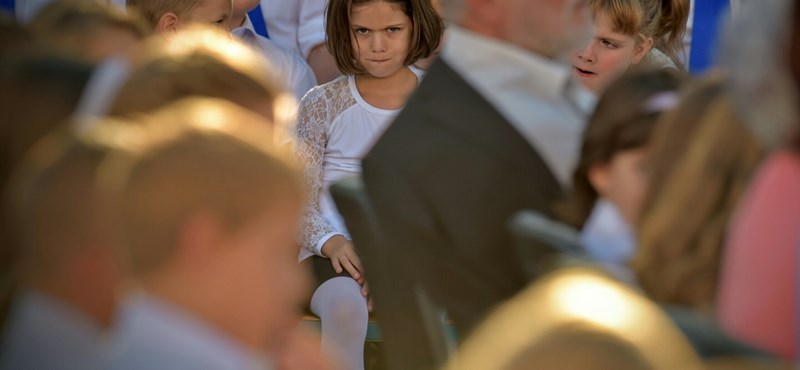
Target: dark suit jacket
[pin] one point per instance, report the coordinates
(444, 180)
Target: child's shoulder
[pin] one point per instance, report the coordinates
(335, 90)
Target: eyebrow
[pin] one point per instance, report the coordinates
(612, 39)
(385, 27)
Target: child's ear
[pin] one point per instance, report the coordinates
(167, 24)
(199, 239)
(641, 49)
(599, 178)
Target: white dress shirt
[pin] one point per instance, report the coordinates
(45, 333)
(154, 334)
(292, 68)
(296, 24)
(536, 95)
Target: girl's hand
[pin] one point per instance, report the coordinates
(343, 256)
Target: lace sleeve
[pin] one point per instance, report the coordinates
(311, 135)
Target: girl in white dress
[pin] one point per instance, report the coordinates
(374, 43)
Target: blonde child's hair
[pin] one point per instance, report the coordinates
(197, 155)
(70, 25)
(681, 237)
(203, 61)
(52, 199)
(663, 20)
(152, 10)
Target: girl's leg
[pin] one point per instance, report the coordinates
(343, 311)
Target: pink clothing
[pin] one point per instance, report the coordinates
(758, 288)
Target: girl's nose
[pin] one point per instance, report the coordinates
(587, 54)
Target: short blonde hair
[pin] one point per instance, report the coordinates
(152, 10)
(203, 61)
(53, 201)
(198, 155)
(70, 25)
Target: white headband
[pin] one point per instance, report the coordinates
(661, 102)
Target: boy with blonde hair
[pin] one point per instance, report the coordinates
(169, 16)
(202, 61)
(207, 213)
(67, 268)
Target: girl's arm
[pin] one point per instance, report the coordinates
(311, 135)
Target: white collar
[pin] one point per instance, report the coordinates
(493, 63)
(158, 318)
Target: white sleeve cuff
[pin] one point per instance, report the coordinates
(321, 242)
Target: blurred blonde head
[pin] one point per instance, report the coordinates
(207, 212)
(160, 184)
(88, 29)
(576, 318)
(675, 130)
(682, 235)
(203, 61)
(60, 219)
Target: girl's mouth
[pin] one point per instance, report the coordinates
(583, 72)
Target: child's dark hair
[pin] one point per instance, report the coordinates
(624, 119)
(426, 31)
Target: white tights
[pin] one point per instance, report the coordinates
(343, 311)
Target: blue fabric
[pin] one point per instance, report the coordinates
(705, 29)
(7, 6)
(256, 18)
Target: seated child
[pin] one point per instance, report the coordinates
(609, 182)
(207, 211)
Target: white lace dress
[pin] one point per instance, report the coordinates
(336, 128)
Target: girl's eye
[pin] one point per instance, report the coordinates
(609, 44)
(362, 31)
(393, 29)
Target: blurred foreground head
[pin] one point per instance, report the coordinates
(202, 61)
(577, 319)
(87, 29)
(208, 208)
(60, 221)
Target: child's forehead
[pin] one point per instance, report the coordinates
(378, 12)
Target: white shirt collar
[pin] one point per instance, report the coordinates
(246, 32)
(538, 96)
(492, 63)
(147, 317)
(41, 324)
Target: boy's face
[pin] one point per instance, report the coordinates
(260, 279)
(210, 12)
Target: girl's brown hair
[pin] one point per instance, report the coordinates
(681, 237)
(673, 135)
(427, 29)
(663, 20)
(621, 122)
